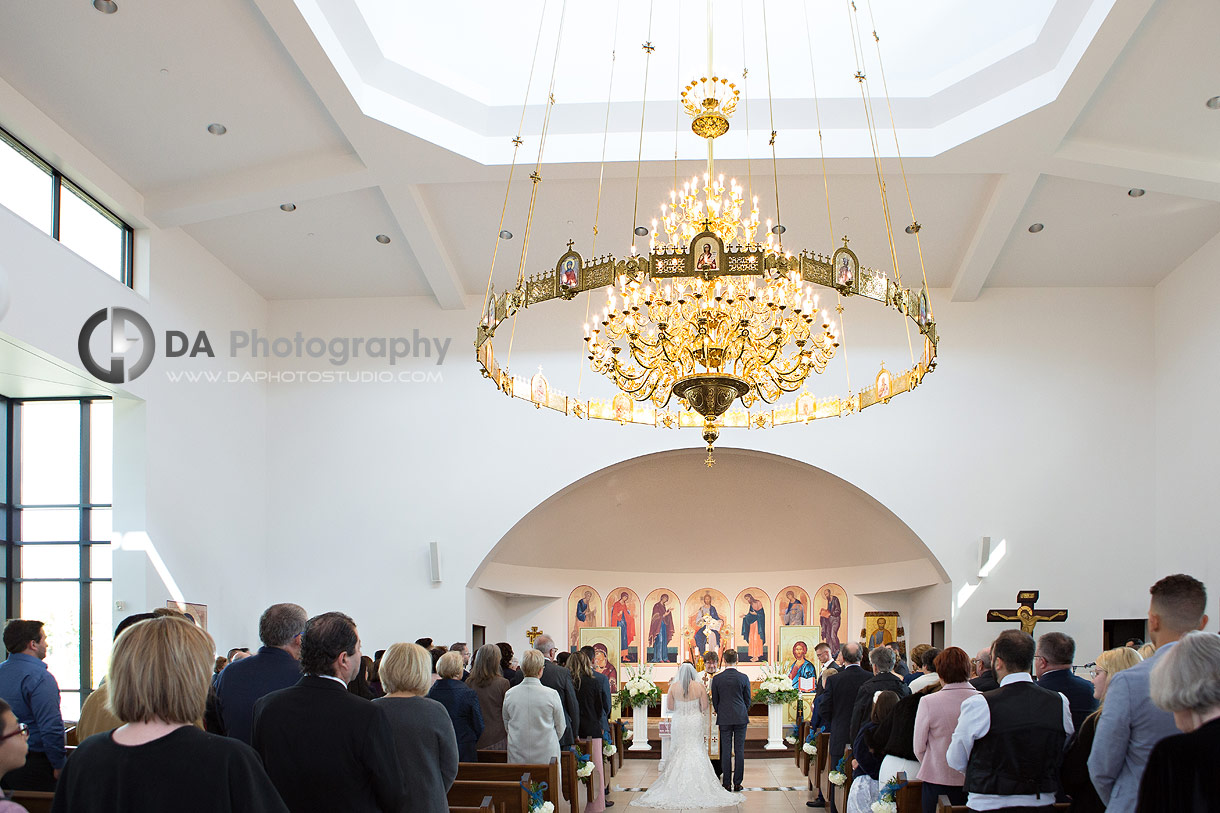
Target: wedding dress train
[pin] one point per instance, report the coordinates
(688, 781)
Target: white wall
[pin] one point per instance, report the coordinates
(1186, 430)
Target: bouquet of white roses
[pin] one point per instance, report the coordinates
(537, 803)
(884, 806)
(627, 735)
(639, 689)
(886, 803)
(791, 740)
(810, 749)
(775, 687)
(837, 776)
(609, 749)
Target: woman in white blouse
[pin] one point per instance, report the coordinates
(533, 716)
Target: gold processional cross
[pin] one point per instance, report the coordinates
(1026, 614)
(533, 633)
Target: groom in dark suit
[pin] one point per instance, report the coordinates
(731, 699)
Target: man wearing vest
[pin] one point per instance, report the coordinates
(1009, 742)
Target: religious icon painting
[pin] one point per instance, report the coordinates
(806, 407)
(195, 612)
(623, 613)
(623, 407)
(925, 314)
(567, 272)
(884, 385)
(540, 390)
(750, 614)
(606, 660)
(709, 625)
(707, 255)
(880, 628)
(795, 653)
(791, 608)
(664, 637)
(846, 266)
(830, 607)
(584, 610)
(489, 313)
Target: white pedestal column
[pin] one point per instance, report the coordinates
(639, 729)
(775, 727)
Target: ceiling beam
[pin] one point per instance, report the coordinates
(419, 228)
(263, 187)
(1155, 172)
(1008, 198)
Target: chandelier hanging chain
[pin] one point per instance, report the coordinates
(898, 151)
(648, 48)
(536, 175)
(601, 177)
(677, 107)
(821, 146)
(779, 222)
(517, 142)
(745, 89)
(870, 118)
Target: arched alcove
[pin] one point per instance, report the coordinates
(666, 520)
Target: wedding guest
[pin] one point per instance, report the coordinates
(375, 675)
(221, 663)
(423, 733)
(927, 677)
(508, 666)
(1147, 650)
(437, 652)
(33, 694)
(1131, 724)
(276, 665)
(592, 704)
(984, 679)
(95, 713)
(556, 677)
(883, 680)
(897, 736)
(1053, 668)
(13, 749)
(360, 685)
(900, 664)
(934, 724)
(868, 752)
(1074, 775)
(426, 643)
(1181, 772)
(562, 659)
(534, 717)
(603, 682)
(838, 701)
(916, 663)
(462, 704)
(160, 671)
(487, 682)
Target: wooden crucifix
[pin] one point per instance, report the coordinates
(1026, 614)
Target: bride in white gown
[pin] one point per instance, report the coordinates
(688, 780)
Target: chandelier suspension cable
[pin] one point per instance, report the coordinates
(536, 175)
(870, 119)
(771, 113)
(516, 147)
(745, 90)
(648, 48)
(601, 177)
(898, 150)
(677, 106)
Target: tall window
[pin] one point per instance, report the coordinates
(57, 505)
(36, 191)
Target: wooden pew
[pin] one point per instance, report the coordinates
(841, 791)
(591, 789)
(817, 767)
(35, 801)
(909, 797)
(508, 797)
(825, 766)
(568, 783)
(943, 805)
(488, 805)
(505, 772)
(802, 731)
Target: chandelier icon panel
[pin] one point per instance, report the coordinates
(711, 317)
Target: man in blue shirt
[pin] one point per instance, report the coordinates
(275, 666)
(34, 695)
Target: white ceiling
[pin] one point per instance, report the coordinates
(633, 526)
(1129, 113)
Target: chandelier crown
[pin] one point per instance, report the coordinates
(710, 102)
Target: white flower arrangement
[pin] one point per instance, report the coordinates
(545, 807)
(775, 687)
(837, 777)
(627, 735)
(586, 770)
(791, 740)
(639, 689)
(609, 749)
(810, 749)
(885, 806)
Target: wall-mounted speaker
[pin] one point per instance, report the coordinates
(434, 562)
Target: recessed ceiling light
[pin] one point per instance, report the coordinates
(288, 207)
(1035, 228)
(217, 129)
(383, 239)
(1136, 193)
(505, 234)
(106, 6)
(1213, 103)
(641, 230)
(778, 229)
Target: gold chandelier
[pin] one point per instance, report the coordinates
(710, 317)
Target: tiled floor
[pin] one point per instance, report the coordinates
(760, 773)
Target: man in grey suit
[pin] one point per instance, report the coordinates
(731, 699)
(1130, 724)
(556, 677)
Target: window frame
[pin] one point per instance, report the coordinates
(58, 180)
(12, 509)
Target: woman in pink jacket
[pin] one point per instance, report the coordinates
(934, 725)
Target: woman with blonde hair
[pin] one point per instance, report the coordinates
(490, 685)
(160, 672)
(1074, 773)
(423, 734)
(462, 704)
